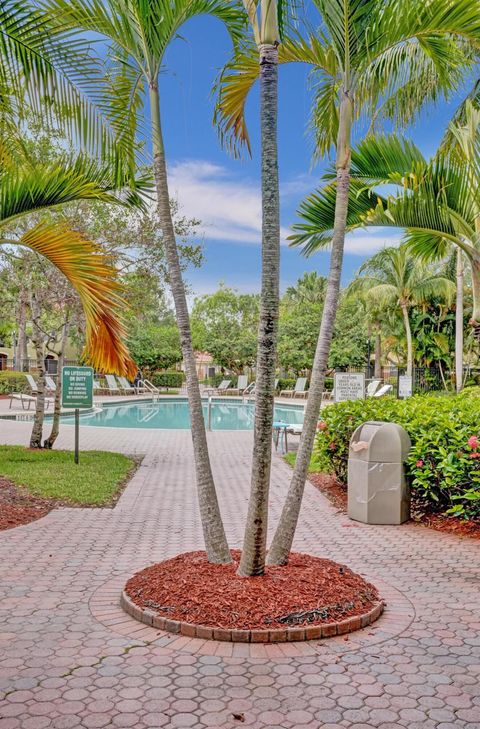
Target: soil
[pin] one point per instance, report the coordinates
(18, 507)
(307, 591)
(337, 495)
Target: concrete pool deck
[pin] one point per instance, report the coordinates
(70, 658)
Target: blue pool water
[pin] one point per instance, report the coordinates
(173, 415)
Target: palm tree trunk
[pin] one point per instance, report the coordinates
(459, 324)
(475, 320)
(408, 334)
(57, 408)
(378, 354)
(255, 539)
(213, 531)
(36, 435)
(283, 538)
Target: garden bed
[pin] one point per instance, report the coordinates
(18, 507)
(308, 598)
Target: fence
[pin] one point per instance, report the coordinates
(424, 379)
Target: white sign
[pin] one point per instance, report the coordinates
(349, 386)
(405, 386)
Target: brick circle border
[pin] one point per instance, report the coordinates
(398, 614)
(277, 635)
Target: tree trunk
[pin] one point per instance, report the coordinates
(48, 442)
(22, 350)
(459, 324)
(283, 538)
(255, 539)
(475, 320)
(378, 355)
(408, 334)
(36, 436)
(214, 534)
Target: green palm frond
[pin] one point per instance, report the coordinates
(31, 188)
(318, 213)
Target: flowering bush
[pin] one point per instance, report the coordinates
(443, 467)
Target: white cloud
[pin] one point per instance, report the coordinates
(229, 207)
(366, 242)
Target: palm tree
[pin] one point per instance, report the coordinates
(139, 34)
(267, 37)
(371, 57)
(393, 278)
(309, 289)
(437, 203)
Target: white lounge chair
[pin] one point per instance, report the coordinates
(373, 387)
(24, 399)
(223, 387)
(383, 391)
(32, 384)
(50, 384)
(299, 388)
(125, 385)
(242, 383)
(112, 385)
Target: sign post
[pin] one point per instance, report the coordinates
(77, 393)
(349, 386)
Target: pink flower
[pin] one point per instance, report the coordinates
(321, 425)
(475, 455)
(473, 442)
(333, 446)
(419, 463)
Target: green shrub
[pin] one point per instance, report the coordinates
(443, 467)
(284, 383)
(13, 382)
(167, 379)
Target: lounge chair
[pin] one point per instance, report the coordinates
(220, 390)
(32, 384)
(97, 387)
(372, 387)
(112, 385)
(24, 399)
(242, 383)
(126, 386)
(299, 388)
(383, 391)
(50, 384)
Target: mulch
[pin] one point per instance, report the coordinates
(18, 507)
(336, 493)
(307, 591)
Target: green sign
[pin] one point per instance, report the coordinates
(77, 387)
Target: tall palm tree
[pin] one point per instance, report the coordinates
(393, 278)
(139, 34)
(438, 204)
(309, 289)
(375, 58)
(263, 18)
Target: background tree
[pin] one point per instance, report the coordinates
(225, 324)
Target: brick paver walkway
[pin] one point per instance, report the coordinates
(69, 658)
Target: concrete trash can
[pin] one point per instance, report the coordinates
(377, 489)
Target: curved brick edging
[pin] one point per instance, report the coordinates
(310, 632)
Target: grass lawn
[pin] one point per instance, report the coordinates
(53, 474)
(315, 466)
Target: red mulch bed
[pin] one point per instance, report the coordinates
(308, 591)
(337, 494)
(18, 507)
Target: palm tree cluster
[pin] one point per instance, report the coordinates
(371, 60)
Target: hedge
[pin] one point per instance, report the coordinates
(13, 382)
(167, 379)
(443, 467)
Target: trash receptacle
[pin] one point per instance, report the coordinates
(377, 489)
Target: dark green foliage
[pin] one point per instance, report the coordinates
(13, 382)
(443, 468)
(167, 379)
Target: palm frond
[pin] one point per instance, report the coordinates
(95, 279)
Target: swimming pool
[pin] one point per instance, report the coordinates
(173, 414)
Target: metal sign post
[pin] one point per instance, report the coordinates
(77, 393)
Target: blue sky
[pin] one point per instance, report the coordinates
(223, 192)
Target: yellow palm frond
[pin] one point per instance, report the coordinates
(92, 273)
